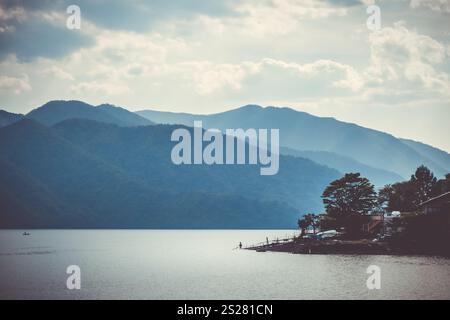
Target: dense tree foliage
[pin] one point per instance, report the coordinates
(408, 195)
(424, 183)
(308, 220)
(350, 195)
(347, 201)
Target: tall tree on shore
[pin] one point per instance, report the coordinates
(384, 196)
(408, 195)
(351, 195)
(424, 183)
(312, 221)
(302, 225)
(308, 220)
(402, 197)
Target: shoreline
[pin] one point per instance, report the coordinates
(351, 247)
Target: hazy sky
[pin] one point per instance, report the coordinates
(213, 55)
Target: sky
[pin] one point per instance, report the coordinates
(211, 56)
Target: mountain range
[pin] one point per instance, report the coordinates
(68, 164)
(82, 173)
(383, 157)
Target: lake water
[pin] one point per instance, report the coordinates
(179, 264)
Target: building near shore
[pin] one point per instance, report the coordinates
(437, 205)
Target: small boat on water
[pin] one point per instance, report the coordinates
(25, 234)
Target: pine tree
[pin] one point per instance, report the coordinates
(348, 196)
(424, 183)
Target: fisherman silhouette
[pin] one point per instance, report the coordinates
(240, 245)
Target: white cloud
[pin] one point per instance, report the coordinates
(97, 87)
(13, 84)
(209, 77)
(436, 5)
(402, 58)
(264, 18)
(57, 72)
(350, 79)
(16, 13)
(8, 17)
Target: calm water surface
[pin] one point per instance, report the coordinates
(149, 264)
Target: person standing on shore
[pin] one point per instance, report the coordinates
(240, 245)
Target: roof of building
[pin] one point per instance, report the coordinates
(442, 196)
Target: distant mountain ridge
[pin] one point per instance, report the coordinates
(127, 118)
(304, 132)
(327, 141)
(7, 118)
(378, 177)
(59, 110)
(440, 157)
